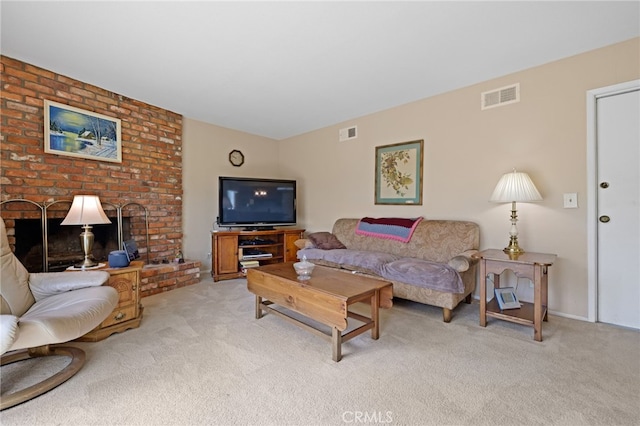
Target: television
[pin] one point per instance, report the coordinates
(255, 203)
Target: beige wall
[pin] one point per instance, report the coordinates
(206, 156)
(466, 152)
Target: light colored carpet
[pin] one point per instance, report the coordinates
(200, 357)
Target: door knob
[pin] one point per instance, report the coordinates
(604, 185)
(604, 219)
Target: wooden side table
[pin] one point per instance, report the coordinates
(533, 266)
(128, 313)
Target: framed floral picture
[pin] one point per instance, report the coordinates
(78, 133)
(399, 173)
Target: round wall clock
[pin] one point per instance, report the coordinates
(236, 158)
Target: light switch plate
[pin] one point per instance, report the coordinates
(571, 200)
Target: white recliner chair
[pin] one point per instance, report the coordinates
(38, 310)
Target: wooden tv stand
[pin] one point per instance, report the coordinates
(228, 249)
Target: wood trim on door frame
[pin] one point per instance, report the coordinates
(592, 190)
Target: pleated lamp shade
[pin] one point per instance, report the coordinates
(85, 210)
(515, 186)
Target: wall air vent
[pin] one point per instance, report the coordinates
(499, 97)
(348, 133)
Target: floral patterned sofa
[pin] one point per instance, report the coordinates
(434, 267)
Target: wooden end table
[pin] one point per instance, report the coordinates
(533, 266)
(128, 313)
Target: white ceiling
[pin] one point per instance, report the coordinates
(279, 69)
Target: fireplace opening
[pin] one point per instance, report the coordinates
(64, 248)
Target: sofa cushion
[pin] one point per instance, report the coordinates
(304, 243)
(325, 241)
(423, 273)
(432, 240)
(459, 263)
(65, 316)
(45, 284)
(8, 331)
(370, 262)
(16, 297)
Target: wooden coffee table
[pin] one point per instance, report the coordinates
(324, 298)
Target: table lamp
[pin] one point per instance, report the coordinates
(86, 210)
(514, 187)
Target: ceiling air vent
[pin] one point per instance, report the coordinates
(348, 133)
(502, 96)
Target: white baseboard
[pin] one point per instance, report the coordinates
(575, 317)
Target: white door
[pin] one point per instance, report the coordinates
(618, 208)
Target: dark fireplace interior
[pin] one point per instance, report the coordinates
(64, 247)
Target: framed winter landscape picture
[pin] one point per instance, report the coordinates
(79, 133)
(399, 173)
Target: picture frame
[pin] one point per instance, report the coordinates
(75, 132)
(506, 298)
(399, 173)
(131, 248)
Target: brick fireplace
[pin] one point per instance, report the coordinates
(63, 244)
(42, 244)
(150, 173)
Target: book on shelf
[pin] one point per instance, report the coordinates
(249, 263)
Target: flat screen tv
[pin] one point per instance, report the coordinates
(255, 203)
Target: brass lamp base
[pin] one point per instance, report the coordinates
(513, 247)
(86, 241)
(86, 263)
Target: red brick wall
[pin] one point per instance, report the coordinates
(159, 278)
(151, 170)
